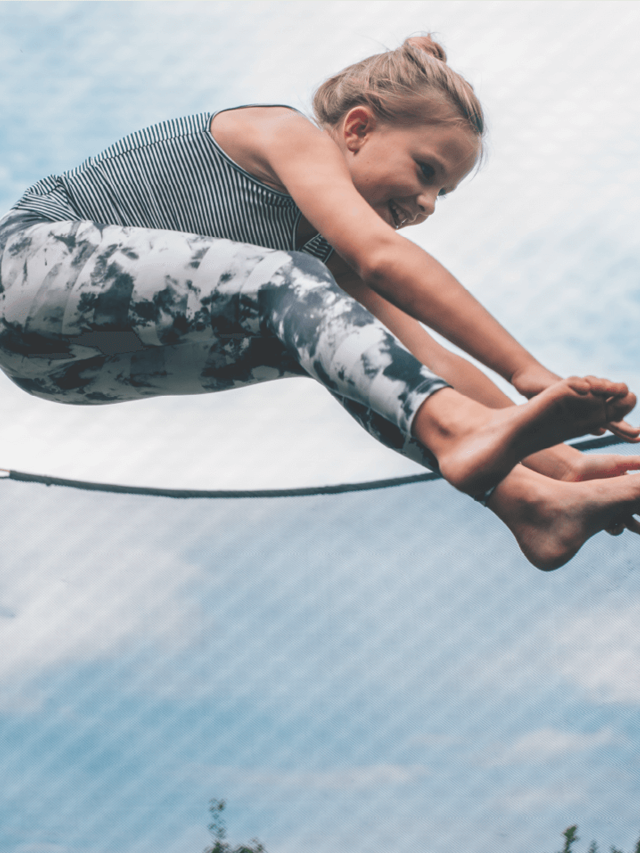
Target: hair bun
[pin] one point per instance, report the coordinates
(410, 84)
(428, 45)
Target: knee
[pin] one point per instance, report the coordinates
(303, 289)
(303, 300)
(314, 285)
(313, 268)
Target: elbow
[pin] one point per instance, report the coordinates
(387, 264)
(378, 269)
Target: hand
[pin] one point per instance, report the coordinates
(533, 379)
(598, 466)
(564, 462)
(619, 527)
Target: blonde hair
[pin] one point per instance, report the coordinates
(405, 85)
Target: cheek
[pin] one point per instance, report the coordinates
(368, 186)
(374, 180)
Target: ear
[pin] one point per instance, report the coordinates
(358, 124)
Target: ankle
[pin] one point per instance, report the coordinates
(521, 493)
(442, 417)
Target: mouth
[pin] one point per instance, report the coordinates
(398, 217)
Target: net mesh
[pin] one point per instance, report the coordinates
(353, 672)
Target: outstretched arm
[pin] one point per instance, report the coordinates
(306, 162)
(458, 372)
(561, 462)
(288, 152)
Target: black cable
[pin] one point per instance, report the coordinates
(219, 493)
(587, 444)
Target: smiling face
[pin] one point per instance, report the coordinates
(400, 170)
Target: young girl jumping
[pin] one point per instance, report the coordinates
(225, 249)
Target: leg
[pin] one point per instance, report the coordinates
(98, 314)
(388, 434)
(476, 447)
(343, 346)
(101, 314)
(551, 520)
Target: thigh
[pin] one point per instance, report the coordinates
(98, 314)
(101, 314)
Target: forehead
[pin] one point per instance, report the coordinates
(451, 142)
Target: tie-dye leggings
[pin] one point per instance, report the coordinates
(95, 314)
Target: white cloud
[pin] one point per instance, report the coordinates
(48, 848)
(91, 597)
(534, 799)
(277, 435)
(338, 779)
(599, 651)
(547, 744)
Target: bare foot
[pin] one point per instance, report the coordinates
(476, 447)
(551, 520)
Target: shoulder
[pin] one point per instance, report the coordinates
(261, 119)
(250, 135)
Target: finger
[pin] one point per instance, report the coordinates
(606, 386)
(618, 407)
(582, 384)
(632, 524)
(624, 430)
(624, 425)
(615, 464)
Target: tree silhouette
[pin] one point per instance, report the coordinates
(571, 835)
(218, 831)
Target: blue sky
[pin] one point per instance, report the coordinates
(368, 672)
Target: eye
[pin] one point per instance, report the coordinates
(428, 171)
(443, 194)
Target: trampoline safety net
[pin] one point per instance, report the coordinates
(356, 672)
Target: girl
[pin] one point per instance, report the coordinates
(203, 254)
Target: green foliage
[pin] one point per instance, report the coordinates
(218, 831)
(571, 836)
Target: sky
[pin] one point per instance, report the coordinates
(365, 672)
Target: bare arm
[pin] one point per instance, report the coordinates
(458, 372)
(287, 151)
(561, 462)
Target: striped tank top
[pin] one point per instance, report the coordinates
(173, 176)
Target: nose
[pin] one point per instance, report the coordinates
(426, 203)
